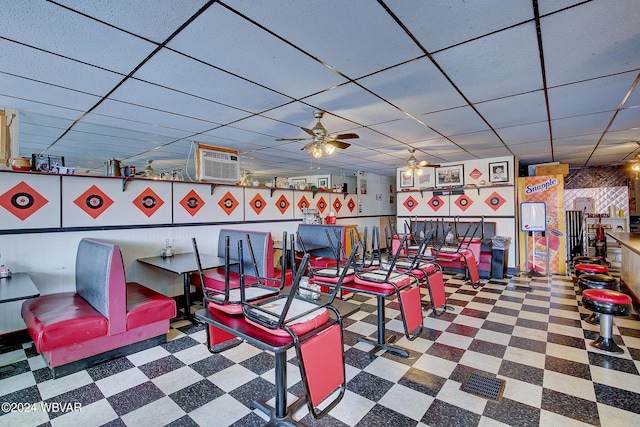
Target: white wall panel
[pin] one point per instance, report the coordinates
(29, 201)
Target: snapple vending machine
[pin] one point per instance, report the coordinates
(549, 190)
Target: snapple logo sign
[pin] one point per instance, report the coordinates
(543, 186)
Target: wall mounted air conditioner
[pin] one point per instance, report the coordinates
(217, 164)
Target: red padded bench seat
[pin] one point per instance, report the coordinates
(57, 320)
(145, 306)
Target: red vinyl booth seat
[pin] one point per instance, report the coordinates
(105, 314)
(62, 319)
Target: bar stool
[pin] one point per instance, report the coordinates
(607, 303)
(589, 260)
(597, 281)
(581, 269)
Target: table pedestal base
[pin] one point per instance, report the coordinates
(274, 420)
(384, 345)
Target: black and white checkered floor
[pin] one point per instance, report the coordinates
(527, 331)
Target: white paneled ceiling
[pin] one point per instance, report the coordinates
(544, 80)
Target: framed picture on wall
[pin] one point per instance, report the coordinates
(499, 172)
(323, 182)
(406, 181)
(450, 176)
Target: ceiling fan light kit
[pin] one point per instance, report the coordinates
(321, 140)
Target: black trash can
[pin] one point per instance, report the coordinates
(499, 256)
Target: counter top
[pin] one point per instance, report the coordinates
(629, 240)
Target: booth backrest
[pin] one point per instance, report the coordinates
(100, 280)
(262, 248)
(316, 234)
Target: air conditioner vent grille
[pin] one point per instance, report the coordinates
(218, 166)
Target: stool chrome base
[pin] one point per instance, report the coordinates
(607, 344)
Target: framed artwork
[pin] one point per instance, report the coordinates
(406, 181)
(43, 163)
(425, 178)
(297, 182)
(323, 182)
(450, 176)
(499, 172)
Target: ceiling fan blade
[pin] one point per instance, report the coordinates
(309, 131)
(345, 136)
(425, 163)
(339, 144)
(290, 139)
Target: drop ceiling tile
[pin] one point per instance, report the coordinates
(355, 103)
(138, 118)
(223, 39)
(550, 6)
(409, 130)
(478, 140)
(155, 97)
(628, 118)
(30, 95)
(590, 41)
(531, 149)
(433, 23)
(178, 72)
(591, 124)
(417, 87)
(502, 64)
(522, 134)
(63, 32)
(628, 138)
(347, 36)
(604, 94)
(27, 62)
(155, 23)
(514, 110)
(456, 121)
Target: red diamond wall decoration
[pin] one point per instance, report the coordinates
(22, 201)
(337, 205)
(192, 203)
(475, 174)
(93, 201)
(436, 203)
(322, 205)
(282, 204)
(463, 202)
(257, 204)
(351, 205)
(303, 203)
(495, 201)
(148, 202)
(410, 203)
(228, 203)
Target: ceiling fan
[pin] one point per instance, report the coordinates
(414, 166)
(321, 140)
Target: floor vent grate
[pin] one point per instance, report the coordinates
(484, 386)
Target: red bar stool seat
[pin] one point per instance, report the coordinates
(597, 281)
(581, 269)
(607, 303)
(589, 260)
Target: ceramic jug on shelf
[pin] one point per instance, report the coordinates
(20, 164)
